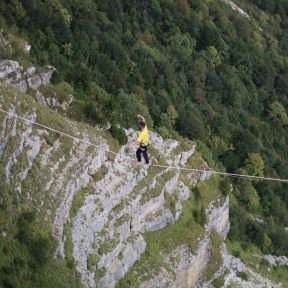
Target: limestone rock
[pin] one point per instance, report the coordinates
(274, 260)
(7, 67)
(14, 74)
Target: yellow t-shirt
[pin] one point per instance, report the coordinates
(143, 137)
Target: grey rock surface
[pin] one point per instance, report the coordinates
(106, 204)
(14, 74)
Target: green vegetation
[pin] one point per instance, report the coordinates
(26, 257)
(68, 246)
(185, 232)
(100, 173)
(247, 255)
(141, 186)
(196, 162)
(27, 247)
(124, 218)
(219, 282)
(99, 274)
(108, 245)
(156, 191)
(242, 275)
(78, 202)
(199, 216)
(194, 69)
(60, 91)
(92, 261)
(207, 191)
(119, 134)
(170, 202)
(215, 260)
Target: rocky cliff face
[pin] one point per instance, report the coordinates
(34, 78)
(118, 202)
(188, 267)
(126, 203)
(13, 73)
(100, 205)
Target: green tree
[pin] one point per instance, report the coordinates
(165, 121)
(119, 134)
(253, 165)
(17, 9)
(212, 57)
(218, 145)
(172, 114)
(248, 196)
(277, 112)
(181, 44)
(63, 12)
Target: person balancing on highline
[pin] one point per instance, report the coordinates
(142, 140)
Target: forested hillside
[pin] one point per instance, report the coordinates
(194, 68)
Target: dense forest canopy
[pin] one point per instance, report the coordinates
(194, 68)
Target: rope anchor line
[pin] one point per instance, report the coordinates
(251, 177)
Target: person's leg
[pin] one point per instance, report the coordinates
(145, 155)
(138, 154)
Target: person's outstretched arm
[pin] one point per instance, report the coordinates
(132, 144)
(141, 118)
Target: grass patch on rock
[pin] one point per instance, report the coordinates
(248, 256)
(216, 259)
(68, 246)
(92, 261)
(186, 231)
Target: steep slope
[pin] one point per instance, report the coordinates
(103, 210)
(117, 202)
(215, 71)
(13, 73)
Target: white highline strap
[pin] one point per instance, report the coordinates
(160, 166)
